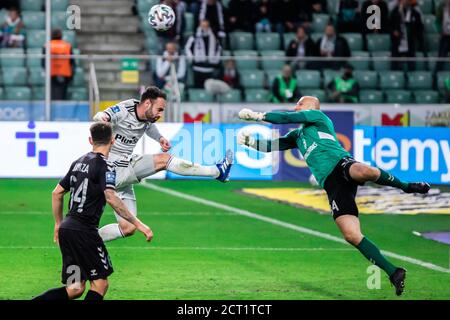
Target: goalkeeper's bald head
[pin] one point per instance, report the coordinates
(308, 103)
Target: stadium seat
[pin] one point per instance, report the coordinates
(38, 93)
(355, 41)
(70, 36)
(249, 63)
(270, 75)
(35, 39)
(59, 20)
(429, 22)
(329, 75)
(34, 20)
(308, 79)
(241, 41)
(252, 79)
(200, 95)
(419, 80)
(189, 18)
(392, 80)
(36, 76)
(1, 94)
(398, 96)
(287, 38)
(33, 61)
(233, 96)
(366, 79)
(421, 65)
(17, 93)
(378, 42)
(426, 6)
(426, 96)
(441, 76)
(432, 41)
(257, 95)
(370, 96)
(77, 94)
(272, 59)
(14, 76)
(382, 64)
(268, 41)
(145, 5)
(78, 78)
(318, 93)
(333, 7)
(32, 5)
(12, 60)
(315, 36)
(60, 5)
(319, 22)
(363, 64)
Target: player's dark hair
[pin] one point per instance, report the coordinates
(153, 93)
(101, 133)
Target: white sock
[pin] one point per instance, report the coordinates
(110, 232)
(187, 168)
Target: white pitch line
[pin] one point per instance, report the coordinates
(286, 225)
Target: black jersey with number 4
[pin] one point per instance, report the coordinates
(87, 179)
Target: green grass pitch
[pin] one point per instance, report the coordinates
(202, 252)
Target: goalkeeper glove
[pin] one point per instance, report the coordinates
(245, 138)
(249, 115)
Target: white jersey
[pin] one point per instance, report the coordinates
(128, 129)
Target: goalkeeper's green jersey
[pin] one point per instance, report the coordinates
(315, 138)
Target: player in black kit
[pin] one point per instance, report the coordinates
(91, 183)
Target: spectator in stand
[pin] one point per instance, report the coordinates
(284, 87)
(204, 50)
(286, 15)
(332, 45)
(212, 10)
(301, 46)
(62, 68)
(348, 19)
(241, 15)
(263, 17)
(164, 63)
(175, 33)
(12, 33)
(407, 33)
(384, 15)
(230, 75)
(443, 25)
(344, 88)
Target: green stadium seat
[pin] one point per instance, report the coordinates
(70, 36)
(355, 41)
(392, 80)
(78, 78)
(35, 39)
(363, 64)
(241, 40)
(17, 93)
(333, 7)
(36, 76)
(329, 75)
(421, 65)
(200, 95)
(308, 79)
(429, 21)
(12, 60)
(1, 94)
(59, 20)
(249, 63)
(225, 3)
(432, 41)
(366, 79)
(33, 20)
(318, 93)
(378, 42)
(252, 79)
(287, 38)
(38, 93)
(34, 61)
(189, 18)
(419, 80)
(441, 76)
(257, 95)
(32, 5)
(370, 96)
(271, 75)
(426, 96)
(77, 94)
(383, 64)
(319, 22)
(398, 96)
(272, 60)
(233, 96)
(145, 5)
(14, 76)
(426, 6)
(268, 41)
(315, 36)
(60, 5)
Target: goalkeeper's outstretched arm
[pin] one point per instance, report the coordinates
(277, 117)
(284, 143)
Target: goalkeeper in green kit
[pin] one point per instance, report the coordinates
(335, 171)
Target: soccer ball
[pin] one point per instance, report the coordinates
(161, 17)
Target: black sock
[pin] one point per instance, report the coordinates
(93, 295)
(53, 294)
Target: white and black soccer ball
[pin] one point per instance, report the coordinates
(161, 17)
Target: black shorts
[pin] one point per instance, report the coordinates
(341, 189)
(84, 256)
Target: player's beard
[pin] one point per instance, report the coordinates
(150, 116)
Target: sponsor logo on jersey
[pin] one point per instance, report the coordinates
(309, 150)
(132, 140)
(115, 109)
(110, 177)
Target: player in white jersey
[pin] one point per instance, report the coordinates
(130, 120)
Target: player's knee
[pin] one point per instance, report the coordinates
(76, 290)
(128, 229)
(353, 238)
(100, 286)
(161, 160)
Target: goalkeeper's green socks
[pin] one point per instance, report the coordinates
(387, 179)
(373, 254)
